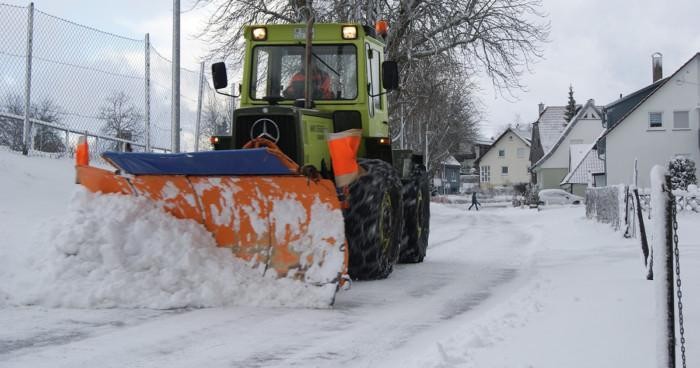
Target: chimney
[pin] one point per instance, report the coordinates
(656, 67)
(541, 108)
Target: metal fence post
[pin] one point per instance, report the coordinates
(662, 241)
(175, 108)
(668, 260)
(27, 130)
(199, 107)
(147, 91)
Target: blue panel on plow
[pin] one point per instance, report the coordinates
(256, 161)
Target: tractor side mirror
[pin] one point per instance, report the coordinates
(218, 74)
(390, 75)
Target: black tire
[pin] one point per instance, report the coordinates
(416, 199)
(374, 221)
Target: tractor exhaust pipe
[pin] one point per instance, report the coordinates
(307, 61)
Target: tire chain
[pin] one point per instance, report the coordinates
(365, 262)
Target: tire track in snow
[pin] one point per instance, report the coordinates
(466, 265)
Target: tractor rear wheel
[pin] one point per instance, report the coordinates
(374, 221)
(416, 199)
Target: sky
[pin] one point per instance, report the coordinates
(602, 48)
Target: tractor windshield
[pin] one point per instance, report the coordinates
(278, 71)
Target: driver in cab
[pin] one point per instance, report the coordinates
(320, 84)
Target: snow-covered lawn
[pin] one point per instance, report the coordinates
(501, 287)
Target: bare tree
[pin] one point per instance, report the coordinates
(438, 108)
(499, 37)
(215, 120)
(46, 139)
(121, 118)
(11, 129)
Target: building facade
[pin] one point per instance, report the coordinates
(507, 161)
(661, 122)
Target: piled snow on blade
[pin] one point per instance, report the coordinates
(121, 251)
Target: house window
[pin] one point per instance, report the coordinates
(504, 170)
(510, 137)
(656, 120)
(502, 153)
(681, 120)
(485, 174)
(521, 152)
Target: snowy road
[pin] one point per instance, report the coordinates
(370, 324)
(503, 287)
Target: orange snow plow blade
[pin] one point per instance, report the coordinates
(282, 225)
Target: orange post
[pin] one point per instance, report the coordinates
(82, 155)
(343, 148)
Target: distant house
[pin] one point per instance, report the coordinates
(545, 133)
(446, 180)
(507, 161)
(589, 170)
(569, 148)
(470, 152)
(653, 125)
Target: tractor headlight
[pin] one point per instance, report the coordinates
(259, 33)
(349, 32)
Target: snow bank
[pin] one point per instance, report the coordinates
(118, 251)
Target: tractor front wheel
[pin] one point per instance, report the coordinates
(374, 221)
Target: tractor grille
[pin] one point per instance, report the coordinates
(287, 132)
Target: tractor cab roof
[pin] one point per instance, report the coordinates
(296, 32)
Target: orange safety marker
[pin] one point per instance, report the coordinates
(382, 27)
(343, 148)
(82, 155)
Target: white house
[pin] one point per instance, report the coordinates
(507, 161)
(545, 133)
(653, 125)
(569, 149)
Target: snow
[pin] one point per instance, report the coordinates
(502, 287)
(110, 251)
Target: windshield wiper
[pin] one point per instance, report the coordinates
(324, 63)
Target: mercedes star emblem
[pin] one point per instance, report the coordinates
(265, 128)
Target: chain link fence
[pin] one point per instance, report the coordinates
(76, 80)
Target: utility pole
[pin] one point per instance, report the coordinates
(175, 106)
(147, 90)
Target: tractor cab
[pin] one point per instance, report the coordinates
(348, 82)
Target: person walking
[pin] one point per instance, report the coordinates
(475, 202)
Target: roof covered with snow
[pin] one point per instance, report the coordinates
(523, 134)
(451, 161)
(587, 165)
(577, 151)
(551, 124)
(565, 131)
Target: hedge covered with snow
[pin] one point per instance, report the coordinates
(606, 205)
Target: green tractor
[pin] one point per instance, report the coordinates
(387, 207)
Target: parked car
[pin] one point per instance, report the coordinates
(558, 196)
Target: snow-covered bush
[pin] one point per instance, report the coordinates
(682, 171)
(606, 204)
